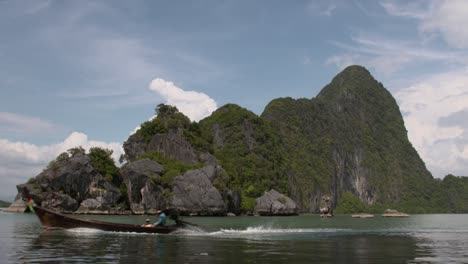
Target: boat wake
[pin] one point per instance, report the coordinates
(269, 232)
(259, 232)
(82, 230)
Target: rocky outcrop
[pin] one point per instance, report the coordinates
(134, 147)
(350, 138)
(170, 145)
(174, 146)
(142, 178)
(59, 202)
(275, 203)
(69, 181)
(194, 194)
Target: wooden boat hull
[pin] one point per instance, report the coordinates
(51, 218)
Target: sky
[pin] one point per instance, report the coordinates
(87, 73)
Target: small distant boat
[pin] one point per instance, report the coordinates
(394, 213)
(362, 216)
(51, 218)
(326, 215)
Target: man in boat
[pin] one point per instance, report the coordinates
(162, 218)
(147, 224)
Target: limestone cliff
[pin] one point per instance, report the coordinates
(350, 138)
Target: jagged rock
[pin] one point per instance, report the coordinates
(193, 194)
(105, 190)
(59, 201)
(142, 178)
(67, 182)
(275, 203)
(169, 145)
(174, 146)
(208, 159)
(94, 206)
(134, 147)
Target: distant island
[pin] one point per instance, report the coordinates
(348, 146)
(4, 204)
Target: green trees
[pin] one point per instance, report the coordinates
(171, 166)
(102, 161)
(167, 117)
(450, 195)
(350, 204)
(250, 151)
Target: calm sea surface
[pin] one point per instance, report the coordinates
(300, 239)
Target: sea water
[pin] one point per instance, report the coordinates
(297, 239)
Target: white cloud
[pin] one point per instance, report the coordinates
(411, 9)
(20, 161)
(193, 104)
(425, 104)
(388, 56)
(448, 18)
(22, 124)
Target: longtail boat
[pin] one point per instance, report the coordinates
(51, 218)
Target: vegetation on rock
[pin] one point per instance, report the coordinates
(102, 161)
(249, 150)
(350, 204)
(172, 167)
(350, 138)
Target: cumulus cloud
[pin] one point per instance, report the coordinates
(193, 104)
(20, 161)
(434, 112)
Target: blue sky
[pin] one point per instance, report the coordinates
(89, 72)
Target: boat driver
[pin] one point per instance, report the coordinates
(162, 218)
